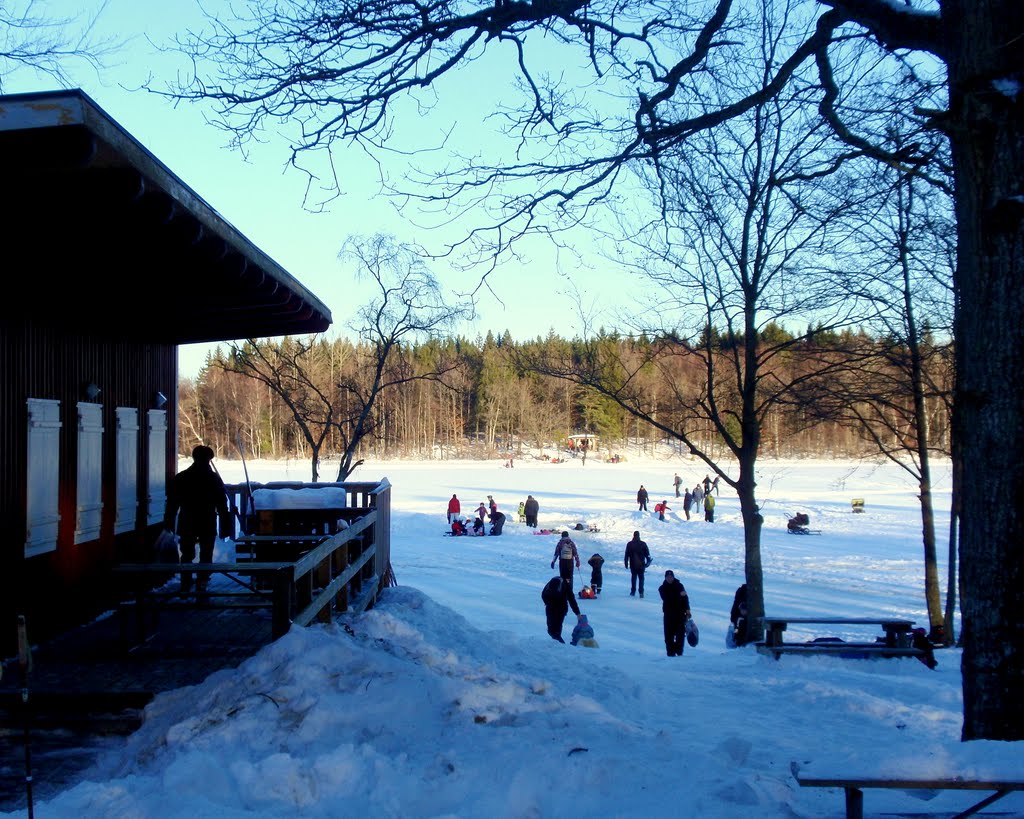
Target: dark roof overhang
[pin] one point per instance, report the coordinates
(100, 235)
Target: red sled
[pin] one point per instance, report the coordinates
(587, 593)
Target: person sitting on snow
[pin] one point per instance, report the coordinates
(583, 633)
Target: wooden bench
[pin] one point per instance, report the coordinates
(854, 787)
(857, 504)
(897, 641)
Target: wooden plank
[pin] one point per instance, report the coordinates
(869, 649)
(941, 783)
(841, 621)
(308, 615)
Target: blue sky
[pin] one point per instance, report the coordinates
(263, 201)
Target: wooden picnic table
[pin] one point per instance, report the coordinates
(897, 631)
(897, 642)
(854, 783)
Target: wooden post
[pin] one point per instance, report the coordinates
(283, 602)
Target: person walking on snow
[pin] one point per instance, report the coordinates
(637, 559)
(661, 509)
(641, 498)
(596, 572)
(709, 508)
(687, 503)
(454, 508)
(558, 599)
(677, 482)
(698, 498)
(567, 556)
(675, 607)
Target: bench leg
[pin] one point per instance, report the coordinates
(854, 803)
(984, 803)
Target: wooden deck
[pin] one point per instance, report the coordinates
(88, 687)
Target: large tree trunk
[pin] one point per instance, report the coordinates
(987, 132)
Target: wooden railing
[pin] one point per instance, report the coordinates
(306, 564)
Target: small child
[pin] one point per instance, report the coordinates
(583, 633)
(595, 563)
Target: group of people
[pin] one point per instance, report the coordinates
(702, 496)
(528, 511)
(559, 597)
(475, 525)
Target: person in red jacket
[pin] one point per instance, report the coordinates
(454, 508)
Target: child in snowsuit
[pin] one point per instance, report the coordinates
(661, 509)
(522, 511)
(596, 574)
(583, 633)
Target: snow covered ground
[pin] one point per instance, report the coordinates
(450, 700)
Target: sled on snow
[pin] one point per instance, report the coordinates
(798, 525)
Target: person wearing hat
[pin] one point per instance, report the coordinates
(567, 556)
(558, 599)
(675, 607)
(583, 633)
(196, 503)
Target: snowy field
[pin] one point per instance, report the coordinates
(450, 700)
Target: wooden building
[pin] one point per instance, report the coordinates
(111, 261)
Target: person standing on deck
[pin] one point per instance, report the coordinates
(196, 503)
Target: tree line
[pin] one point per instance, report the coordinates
(490, 403)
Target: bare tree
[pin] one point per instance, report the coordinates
(31, 39)
(902, 380)
(342, 75)
(740, 244)
(409, 304)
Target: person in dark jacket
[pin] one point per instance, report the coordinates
(531, 508)
(558, 599)
(637, 559)
(641, 498)
(497, 521)
(196, 504)
(596, 563)
(568, 557)
(687, 503)
(738, 616)
(675, 607)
